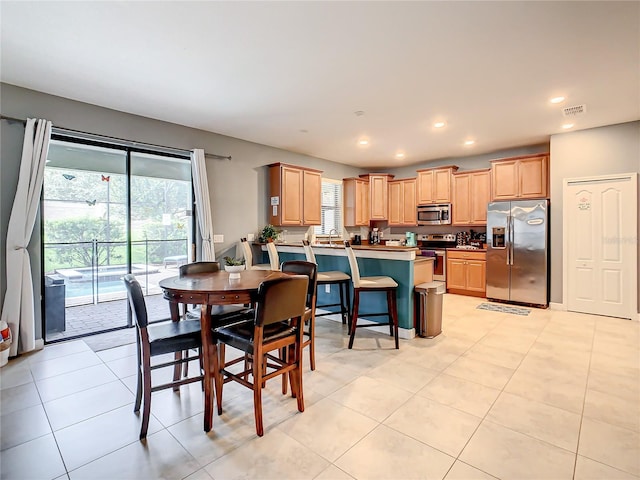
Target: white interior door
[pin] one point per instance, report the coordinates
(600, 232)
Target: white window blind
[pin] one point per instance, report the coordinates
(331, 207)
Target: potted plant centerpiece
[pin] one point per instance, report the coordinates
(234, 266)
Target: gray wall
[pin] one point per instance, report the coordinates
(598, 151)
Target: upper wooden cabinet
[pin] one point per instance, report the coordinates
(402, 202)
(520, 177)
(471, 193)
(295, 195)
(355, 202)
(378, 195)
(434, 185)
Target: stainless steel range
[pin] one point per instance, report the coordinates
(434, 245)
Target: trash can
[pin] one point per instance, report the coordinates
(429, 309)
(54, 311)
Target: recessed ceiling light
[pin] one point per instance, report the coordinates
(359, 113)
(363, 142)
(439, 124)
(567, 126)
(400, 155)
(557, 100)
(304, 131)
(469, 142)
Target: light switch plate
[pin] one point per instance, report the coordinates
(218, 239)
(250, 237)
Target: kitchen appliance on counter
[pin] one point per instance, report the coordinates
(374, 237)
(435, 245)
(357, 240)
(411, 240)
(434, 214)
(517, 258)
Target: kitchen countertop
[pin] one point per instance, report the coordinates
(466, 250)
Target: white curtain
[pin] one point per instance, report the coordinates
(18, 310)
(201, 189)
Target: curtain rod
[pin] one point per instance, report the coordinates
(210, 155)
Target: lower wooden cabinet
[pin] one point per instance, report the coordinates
(467, 272)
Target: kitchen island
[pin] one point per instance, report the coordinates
(403, 264)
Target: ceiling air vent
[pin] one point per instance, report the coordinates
(575, 110)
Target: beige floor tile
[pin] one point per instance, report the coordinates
(118, 352)
(17, 398)
(461, 394)
(228, 433)
(614, 446)
(91, 439)
(514, 343)
(22, 426)
(553, 388)
(38, 459)
(439, 426)
(330, 375)
(487, 374)
(124, 366)
(201, 474)
(462, 471)
(613, 409)
(371, 397)
(161, 456)
(496, 356)
(405, 375)
(15, 373)
(386, 453)
(504, 453)
(59, 386)
(538, 420)
(333, 473)
(361, 360)
(612, 383)
(274, 456)
(80, 406)
(587, 469)
(435, 359)
(328, 438)
(57, 350)
(64, 364)
(171, 407)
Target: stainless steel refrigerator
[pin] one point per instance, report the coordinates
(517, 251)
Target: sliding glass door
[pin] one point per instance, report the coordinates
(109, 210)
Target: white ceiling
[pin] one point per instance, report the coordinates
(292, 74)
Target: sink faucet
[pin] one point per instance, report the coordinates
(336, 232)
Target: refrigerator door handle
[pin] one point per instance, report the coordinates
(511, 238)
(508, 240)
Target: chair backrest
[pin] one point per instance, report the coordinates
(248, 256)
(308, 252)
(274, 259)
(136, 300)
(281, 299)
(199, 267)
(353, 264)
(299, 267)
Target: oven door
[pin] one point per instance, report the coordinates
(439, 263)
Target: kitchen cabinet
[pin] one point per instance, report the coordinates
(378, 195)
(471, 194)
(402, 202)
(295, 195)
(466, 272)
(434, 185)
(355, 202)
(520, 177)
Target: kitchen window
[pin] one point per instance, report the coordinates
(331, 207)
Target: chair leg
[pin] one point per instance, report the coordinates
(177, 369)
(394, 309)
(146, 407)
(354, 316)
(296, 352)
(342, 308)
(285, 375)
(136, 407)
(258, 358)
(390, 294)
(219, 378)
(347, 290)
(312, 343)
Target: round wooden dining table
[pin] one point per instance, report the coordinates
(208, 289)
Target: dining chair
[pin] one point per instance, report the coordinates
(274, 258)
(371, 284)
(248, 257)
(299, 267)
(280, 308)
(158, 338)
(332, 277)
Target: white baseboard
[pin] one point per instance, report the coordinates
(557, 306)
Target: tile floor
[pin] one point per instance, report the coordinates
(553, 395)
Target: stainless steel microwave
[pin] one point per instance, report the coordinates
(437, 214)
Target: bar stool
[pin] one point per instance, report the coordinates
(372, 284)
(248, 257)
(328, 278)
(274, 258)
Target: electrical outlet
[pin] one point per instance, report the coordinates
(250, 237)
(327, 288)
(218, 239)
